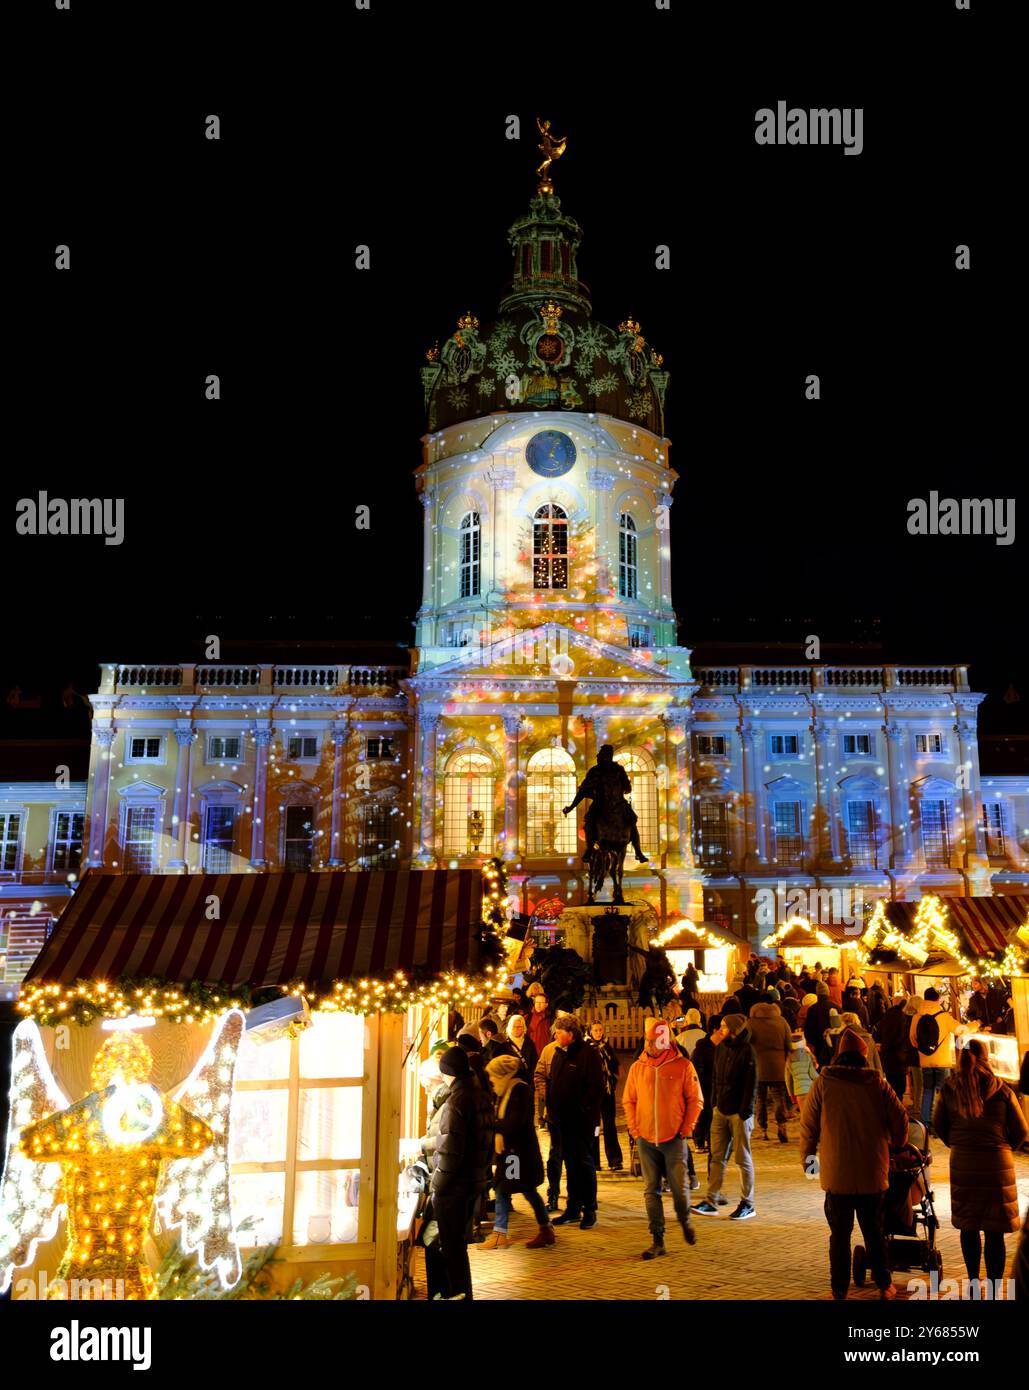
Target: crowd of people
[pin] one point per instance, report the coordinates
(840, 1056)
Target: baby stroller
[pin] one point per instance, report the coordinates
(909, 1214)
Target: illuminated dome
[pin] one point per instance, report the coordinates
(544, 350)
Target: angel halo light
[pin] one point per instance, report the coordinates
(118, 1160)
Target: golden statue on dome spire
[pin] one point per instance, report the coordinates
(551, 149)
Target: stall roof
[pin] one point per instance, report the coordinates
(271, 929)
(988, 925)
(687, 938)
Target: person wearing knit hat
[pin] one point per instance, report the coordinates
(732, 1120)
(851, 1118)
(805, 1004)
(853, 1023)
(518, 1163)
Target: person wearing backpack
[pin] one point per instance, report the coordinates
(932, 1035)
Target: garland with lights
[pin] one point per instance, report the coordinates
(88, 1001)
(804, 924)
(703, 933)
(930, 934)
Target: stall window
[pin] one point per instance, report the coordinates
(296, 1151)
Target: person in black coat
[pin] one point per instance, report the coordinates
(815, 1026)
(494, 1043)
(854, 1004)
(609, 1062)
(455, 1160)
(703, 1059)
(575, 1089)
(519, 1164)
(893, 1034)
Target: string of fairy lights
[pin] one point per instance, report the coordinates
(86, 1001)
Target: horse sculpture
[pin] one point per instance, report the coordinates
(610, 825)
(607, 860)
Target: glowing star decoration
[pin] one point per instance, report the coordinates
(110, 1150)
(194, 1193)
(31, 1203)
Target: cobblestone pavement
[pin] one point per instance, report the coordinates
(783, 1252)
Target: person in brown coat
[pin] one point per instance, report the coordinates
(981, 1122)
(772, 1042)
(854, 1115)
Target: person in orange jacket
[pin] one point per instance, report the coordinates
(662, 1102)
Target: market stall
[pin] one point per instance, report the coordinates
(946, 943)
(313, 996)
(802, 943)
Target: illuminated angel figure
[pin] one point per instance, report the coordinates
(550, 149)
(100, 1162)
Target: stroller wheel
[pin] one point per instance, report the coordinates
(860, 1264)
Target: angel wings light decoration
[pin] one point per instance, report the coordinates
(113, 1160)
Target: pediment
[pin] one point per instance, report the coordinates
(551, 651)
(142, 791)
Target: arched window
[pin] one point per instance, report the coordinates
(470, 534)
(628, 552)
(550, 786)
(468, 804)
(640, 766)
(550, 548)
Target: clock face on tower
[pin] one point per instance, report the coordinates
(550, 453)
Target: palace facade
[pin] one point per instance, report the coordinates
(546, 629)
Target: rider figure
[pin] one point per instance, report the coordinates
(607, 780)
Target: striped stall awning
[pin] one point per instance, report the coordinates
(987, 925)
(271, 929)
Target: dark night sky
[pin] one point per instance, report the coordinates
(236, 257)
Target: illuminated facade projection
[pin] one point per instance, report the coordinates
(546, 630)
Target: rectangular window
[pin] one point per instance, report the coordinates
(936, 833)
(713, 826)
(378, 835)
(299, 838)
(10, 834)
(783, 745)
(68, 827)
(144, 750)
(862, 834)
(639, 635)
(711, 745)
(929, 743)
(993, 828)
(140, 839)
(219, 839)
(223, 748)
(789, 833)
(857, 745)
(379, 748)
(300, 746)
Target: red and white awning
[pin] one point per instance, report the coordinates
(988, 924)
(271, 929)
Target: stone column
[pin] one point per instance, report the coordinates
(429, 721)
(503, 480)
(262, 738)
(103, 738)
(826, 838)
(679, 803)
(752, 829)
(601, 484)
(185, 738)
(900, 799)
(974, 856)
(512, 725)
(339, 752)
(428, 498)
(664, 550)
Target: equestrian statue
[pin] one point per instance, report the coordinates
(610, 824)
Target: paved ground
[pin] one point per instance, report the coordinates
(781, 1253)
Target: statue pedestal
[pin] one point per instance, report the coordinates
(614, 941)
